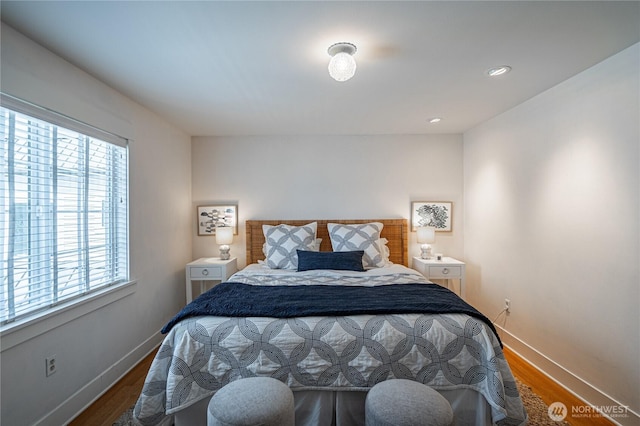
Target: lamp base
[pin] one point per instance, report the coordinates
(425, 251)
(224, 252)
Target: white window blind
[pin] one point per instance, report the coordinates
(63, 210)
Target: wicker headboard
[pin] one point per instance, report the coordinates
(394, 230)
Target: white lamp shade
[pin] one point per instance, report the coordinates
(342, 66)
(426, 234)
(224, 235)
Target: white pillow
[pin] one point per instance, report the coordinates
(385, 250)
(359, 237)
(282, 241)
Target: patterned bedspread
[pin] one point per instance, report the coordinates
(452, 351)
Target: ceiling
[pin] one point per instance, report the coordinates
(260, 68)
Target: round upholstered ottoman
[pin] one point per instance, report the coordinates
(400, 402)
(252, 401)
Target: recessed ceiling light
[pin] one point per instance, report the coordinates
(496, 71)
(435, 120)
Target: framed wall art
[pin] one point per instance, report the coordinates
(213, 216)
(431, 213)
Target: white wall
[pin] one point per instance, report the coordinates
(95, 349)
(552, 222)
(327, 177)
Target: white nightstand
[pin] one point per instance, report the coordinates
(208, 269)
(447, 269)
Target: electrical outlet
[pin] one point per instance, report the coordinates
(51, 365)
(507, 305)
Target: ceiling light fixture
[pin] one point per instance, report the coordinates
(435, 120)
(496, 71)
(342, 66)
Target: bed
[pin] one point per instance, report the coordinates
(330, 308)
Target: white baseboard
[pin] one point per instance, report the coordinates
(88, 394)
(583, 390)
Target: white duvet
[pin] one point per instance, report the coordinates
(453, 351)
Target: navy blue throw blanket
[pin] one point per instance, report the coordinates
(243, 300)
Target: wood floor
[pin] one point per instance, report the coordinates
(116, 400)
(124, 394)
(549, 390)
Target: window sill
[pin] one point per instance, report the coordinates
(18, 332)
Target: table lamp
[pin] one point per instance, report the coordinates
(426, 235)
(224, 237)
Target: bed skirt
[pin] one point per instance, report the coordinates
(346, 408)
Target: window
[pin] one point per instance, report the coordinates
(63, 210)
